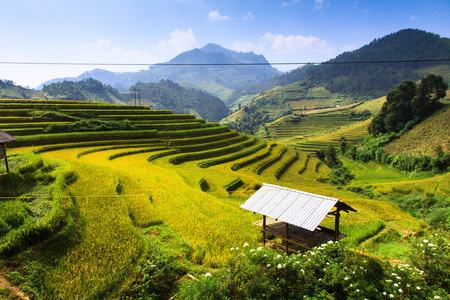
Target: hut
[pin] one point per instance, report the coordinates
(4, 138)
(294, 216)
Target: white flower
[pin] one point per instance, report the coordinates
(279, 256)
(231, 249)
(330, 242)
(253, 250)
(327, 264)
(268, 265)
(396, 284)
(208, 275)
(394, 274)
(398, 277)
(425, 241)
(384, 293)
(265, 255)
(357, 290)
(246, 245)
(312, 253)
(259, 249)
(351, 284)
(346, 278)
(391, 296)
(419, 288)
(437, 297)
(400, 290)
(430, 245)
(279, 266)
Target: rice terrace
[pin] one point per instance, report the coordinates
(215, 175)
(152, 200)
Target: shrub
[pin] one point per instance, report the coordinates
(330, 271)
(431, 255)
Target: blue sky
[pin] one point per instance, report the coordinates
(152, 31)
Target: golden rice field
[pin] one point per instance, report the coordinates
(117, 199)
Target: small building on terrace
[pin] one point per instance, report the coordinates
(294, 216)
(4, 138)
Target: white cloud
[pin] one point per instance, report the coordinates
(248, 16)
(179, 41)
(296, 43)
(216, 16)
(413, 18)
(292, 2)
(288, 49)
(163, 50)
(318, 4)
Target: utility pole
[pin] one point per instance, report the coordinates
(135, 96)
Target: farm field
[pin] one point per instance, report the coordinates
(183, 174)
(424, 138)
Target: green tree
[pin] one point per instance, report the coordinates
(408, 103)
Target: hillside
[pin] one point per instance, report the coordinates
(425, 137)
(346, 83)
(167, 206)
(85, 90)
(162, 95)
(217, 80)
(404, 45)
(167, 94)
(9, 89)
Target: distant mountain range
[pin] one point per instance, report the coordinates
(357, 73)
(219, 80)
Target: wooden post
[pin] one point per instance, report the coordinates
(312, 239)
(6, 163)
(264, 230)
(336, 225)
(287, 234)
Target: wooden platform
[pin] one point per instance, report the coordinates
(297, 235)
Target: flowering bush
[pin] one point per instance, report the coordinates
(330, 271)
(432, 256)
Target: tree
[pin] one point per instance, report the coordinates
(432, 88)
(409, 102)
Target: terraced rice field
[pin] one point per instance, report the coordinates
(191, 179)
(351, 133)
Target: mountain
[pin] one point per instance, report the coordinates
(344, 79)
(167, 94)
(345, 73)
(216, 79)
(85, 90)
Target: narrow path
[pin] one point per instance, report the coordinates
(4, 283)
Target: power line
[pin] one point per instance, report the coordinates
(223, 64)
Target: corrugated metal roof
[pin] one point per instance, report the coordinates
(295, 207)
(5, 137)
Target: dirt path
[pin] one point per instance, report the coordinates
(4, 283)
